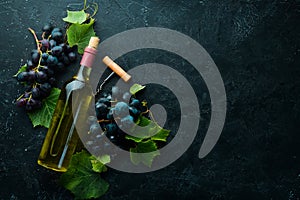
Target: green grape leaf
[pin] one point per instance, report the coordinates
(100, 162)
(151, 128)
(81, 179)
(144, 152)
(135, 88)
(43, 116)
(22, 69)
(75, 17)
(80, 34)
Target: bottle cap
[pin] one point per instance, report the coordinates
(94, 42)
(116, 68)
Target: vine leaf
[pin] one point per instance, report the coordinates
(99, 163)
(151, 128)
(75, 17)
(80, 34)
(144, 152)
(43, 116)
(135, 88)
(22, 69)
(81, 179)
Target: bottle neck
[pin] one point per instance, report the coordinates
(83, 73)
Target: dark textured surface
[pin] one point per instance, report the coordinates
(256, 46)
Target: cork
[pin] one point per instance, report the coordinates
(94, 42)
(116, 68)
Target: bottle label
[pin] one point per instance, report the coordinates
(88, 57)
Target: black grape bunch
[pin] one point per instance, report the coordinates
(51, 55)
(109, 113)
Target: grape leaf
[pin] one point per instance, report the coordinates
(80, 34)
(137, 154)
(22, 69)
(81, 180)
(135, 88)
(75, 17)
(158, 133)
(99, 163)
(43, 116)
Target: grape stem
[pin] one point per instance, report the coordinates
(36, 39)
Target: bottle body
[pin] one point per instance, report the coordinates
(62, 138)
(69, 116)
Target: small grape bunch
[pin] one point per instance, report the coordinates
(115, 115)
(51, 56)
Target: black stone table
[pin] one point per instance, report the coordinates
(256, 47)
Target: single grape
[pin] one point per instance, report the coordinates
(33, 104)
(56, 30)
(92, 120)
(45, 56)
(45, 89)
(22, 77)
(57, 50)
(111, 128)
(126, 96)
(109, 115)
(35, 93)
(72, 56)
(21, 102)
(31, 76)
(47, 70)
(47, 29)
(64, 47)
(57, 36)
(95, 128)
(52, 61)
(135, 103)
(41, 77)
(134, 112)
(30, 65)
(127, 122)
(26, 95)
(104, 100)
(34, 51)
(115, 91)
(101, 110)
(45, 45)
(35, 57)
(52, 43)
(121, 109)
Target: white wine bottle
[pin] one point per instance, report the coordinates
(71, 108)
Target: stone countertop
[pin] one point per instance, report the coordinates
(256, 47)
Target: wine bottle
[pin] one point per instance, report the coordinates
(71, 108)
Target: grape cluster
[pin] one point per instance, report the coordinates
(52, 55)
(113, 116)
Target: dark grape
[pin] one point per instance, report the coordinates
(47, 29)
(56, 30)
(57, 50)
(45, 45)
(52, 43)
(30, 65)
(127, 122)
(21, 102)
(22, 77)
(104, 100)
(66, 60)
(45, 89)
(57, 36)
(135, 103)
(60, 66)
(111, 128)
(134, 112)
(72, 56)
(35, 93)
(35, 57)
(126, 96)
(121, 109)
(41, 77)
(101, 110)
(34, 51)
(52, 81)
(109, 115)
(52, 61)
(31, 76)
(45, 56)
